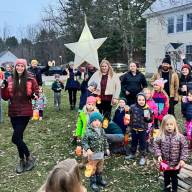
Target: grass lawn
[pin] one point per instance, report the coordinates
(50, 141)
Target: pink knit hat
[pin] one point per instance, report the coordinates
(91, 100)
(21, 61)
(160, 82)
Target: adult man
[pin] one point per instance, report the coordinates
(132, 83)
(171, 87)
(37, 72)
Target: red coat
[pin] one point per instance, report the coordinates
(20, 105)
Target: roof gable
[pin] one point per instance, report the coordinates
(166, 5)
(7, 56)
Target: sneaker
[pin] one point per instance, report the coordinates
(30, 163)
(142, 161)
(21, 166)
(131, 156)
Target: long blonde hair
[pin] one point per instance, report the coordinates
(111, 72)
(162, 131)
(64, 177)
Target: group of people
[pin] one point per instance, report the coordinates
(141, 111)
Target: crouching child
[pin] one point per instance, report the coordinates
(95, 144)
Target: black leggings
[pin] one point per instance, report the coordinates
(171, 177)
(72, 96)
(19, 124)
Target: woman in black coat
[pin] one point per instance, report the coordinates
(72, 85)
(132, 83)
(185, 82)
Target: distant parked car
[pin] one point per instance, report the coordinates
(119, 67)
(54, 70)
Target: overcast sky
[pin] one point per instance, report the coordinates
(17, 14)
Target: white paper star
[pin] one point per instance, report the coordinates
(86, 48)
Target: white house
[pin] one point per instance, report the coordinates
(169, 31)
(7, 57)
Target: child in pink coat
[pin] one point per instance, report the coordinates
(161, 99)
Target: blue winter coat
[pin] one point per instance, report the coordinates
(72, 83)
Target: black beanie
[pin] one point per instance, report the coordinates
(141, 94)
(167, 60)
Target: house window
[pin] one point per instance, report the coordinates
(179, 27)
(189, 53)
(189, 22)
(170, 24)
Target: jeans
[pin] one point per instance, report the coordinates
(19, 124)
(115, 138)
(116, 143)
(57, 100)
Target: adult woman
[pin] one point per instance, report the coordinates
(185, 81)
(72, 85)
(109, 86)
(132, 83)
(19, 89)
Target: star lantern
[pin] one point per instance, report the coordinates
(86, 48)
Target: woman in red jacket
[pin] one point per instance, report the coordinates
(19, 89)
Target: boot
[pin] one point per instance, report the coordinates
(93, 183)
(30, 163)
(100, 180)
(71, 107)
(21, 166)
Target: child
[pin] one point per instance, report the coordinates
(83, 117)
(152, 105)
(38, 105)
(82, 122)
(140, 116)
(161, 99)
(170, 148)
(187, 113)
(57, 86)
(119, 115)
(93, 89)
(8, 71)
(95, 144)
(41, 103)
(116, 130)
(64, 177)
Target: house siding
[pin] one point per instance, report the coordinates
(157, 38)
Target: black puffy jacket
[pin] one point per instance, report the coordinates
(37, 73)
